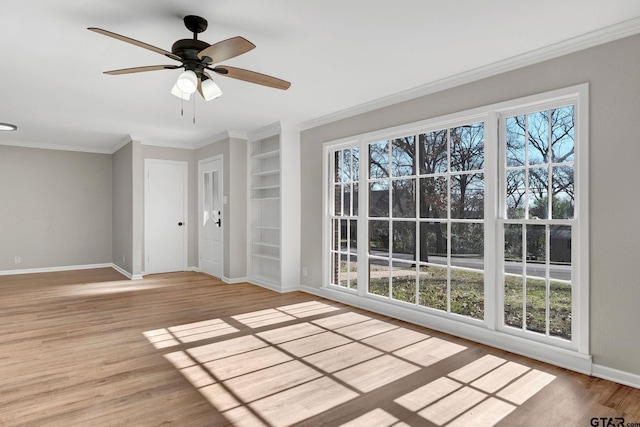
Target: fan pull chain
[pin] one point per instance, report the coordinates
(194, 110)
(182, 106)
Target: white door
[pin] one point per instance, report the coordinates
(165, 214)
(210, 222)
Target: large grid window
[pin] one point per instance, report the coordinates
(481, 217)
(344, 219)
(540, 201)
(426, 219)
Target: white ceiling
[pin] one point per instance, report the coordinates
(339, 55)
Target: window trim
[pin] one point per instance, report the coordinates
(490, 114)
(450, 121)
(579, 97)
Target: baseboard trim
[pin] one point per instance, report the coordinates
(622, 377)
(54, 269)
(563, 358)
(272, 286)
(234, 281)
(126, 273)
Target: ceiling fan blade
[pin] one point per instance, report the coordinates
(226, 49)
(141, 69)
(135, 42)
(251, 77)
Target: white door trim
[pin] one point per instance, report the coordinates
(200, 204)
(185, 253)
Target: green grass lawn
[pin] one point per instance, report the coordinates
(467, 297)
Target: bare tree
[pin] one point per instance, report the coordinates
(549, 139)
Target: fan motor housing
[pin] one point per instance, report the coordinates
(188, 50)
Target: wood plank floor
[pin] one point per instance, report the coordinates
(90, 348)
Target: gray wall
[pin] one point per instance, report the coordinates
(234, 155)
(55, 208)
(613, 72)
(122, 253)
(71, 208)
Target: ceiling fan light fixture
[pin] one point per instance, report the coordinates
(187, 82)
(180, 94)
(210, 90)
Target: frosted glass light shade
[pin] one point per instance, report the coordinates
(180, 94)
(210, 90)
(187, 82)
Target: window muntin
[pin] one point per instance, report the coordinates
(344, 219)
(517, 195)
(540, 203)
(426, 219)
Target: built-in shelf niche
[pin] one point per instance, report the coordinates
(274, 208)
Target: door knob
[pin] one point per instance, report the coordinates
(180, 224)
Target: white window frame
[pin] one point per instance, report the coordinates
(578, 96)
(493, 317)
(328, 174)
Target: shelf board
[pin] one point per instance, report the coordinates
(266, 155)
(266, 245)
(266, 187)
(264, 256)
(267, 173)
(266, 227)
(259, 199)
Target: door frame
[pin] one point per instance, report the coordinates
(185, 208)
(201, 203)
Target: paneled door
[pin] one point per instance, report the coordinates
(210, 202)
(165, 214)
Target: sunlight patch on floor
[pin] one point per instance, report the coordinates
(370, 375)
(303, 401)
(430, 351)
(480, 393)
(314, 344)
(342, 357)
(285, 374)
(161, 338)
(208, 352)
(290, 333)
(395, 339)
(282, 314)
(263, 318)
(201, 330)
(188, 333)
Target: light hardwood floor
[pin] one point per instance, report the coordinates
(90, 348)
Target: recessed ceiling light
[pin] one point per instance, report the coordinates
(8, 126)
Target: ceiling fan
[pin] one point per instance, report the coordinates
(196, 57)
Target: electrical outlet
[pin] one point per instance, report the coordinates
(17, 259)
(304, 271)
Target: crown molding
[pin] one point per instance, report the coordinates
(272, 129)
(165, 144)
(59, 147)
(264, 132)
(237, 134)
(575, 44)
(228, 134)
(123, 142)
